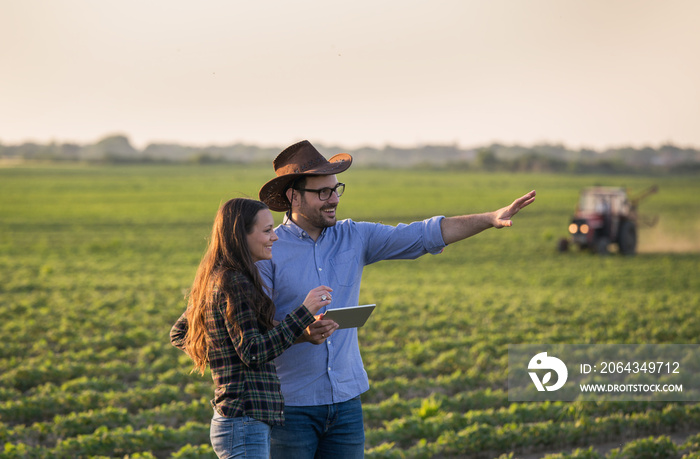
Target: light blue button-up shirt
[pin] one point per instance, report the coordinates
(333, 372)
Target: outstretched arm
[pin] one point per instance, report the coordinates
(457, 228)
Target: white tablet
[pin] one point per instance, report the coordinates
(351, 317)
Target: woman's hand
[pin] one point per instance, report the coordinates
(318, 298)
(319, 331)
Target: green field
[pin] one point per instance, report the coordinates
(95, 262)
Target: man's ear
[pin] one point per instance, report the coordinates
(290, 195)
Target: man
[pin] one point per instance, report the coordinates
(323, 377)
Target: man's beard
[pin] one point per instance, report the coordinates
(318, 218)
(322, 220)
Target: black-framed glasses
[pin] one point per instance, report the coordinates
(324, 194)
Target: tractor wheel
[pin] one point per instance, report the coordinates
(627, 238)
(563, 245)
(600, 246)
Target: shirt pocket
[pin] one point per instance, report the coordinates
(345, 269)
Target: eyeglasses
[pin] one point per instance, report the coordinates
(324, 194)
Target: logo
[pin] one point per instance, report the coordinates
(542, 362)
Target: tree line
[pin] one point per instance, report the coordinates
(117, 149)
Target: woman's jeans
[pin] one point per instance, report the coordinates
(239, 437)
(324, 431)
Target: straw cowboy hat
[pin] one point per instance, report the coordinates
(296, 161)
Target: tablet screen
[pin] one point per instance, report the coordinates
(351, 317)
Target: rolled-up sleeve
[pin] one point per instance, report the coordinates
(432, 235)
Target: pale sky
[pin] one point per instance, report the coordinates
(585, 73)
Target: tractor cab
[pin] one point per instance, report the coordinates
(604, 216)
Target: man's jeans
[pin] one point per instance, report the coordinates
(323, 431)
(239, 437)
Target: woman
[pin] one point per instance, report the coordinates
(228, 325)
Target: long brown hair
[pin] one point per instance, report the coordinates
(227, 252)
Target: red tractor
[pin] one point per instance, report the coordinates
(604, 216)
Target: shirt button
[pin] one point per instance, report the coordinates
(329, 368)
(320, 269)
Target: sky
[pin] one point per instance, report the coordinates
(583, 73)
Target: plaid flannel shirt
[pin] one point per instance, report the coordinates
(244, 375)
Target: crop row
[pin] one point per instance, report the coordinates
(494, 405)
(44, 406)
(86, 422)
(651, 447)
(451, 435)
(116, 442)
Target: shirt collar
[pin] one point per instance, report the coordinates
(296, 230)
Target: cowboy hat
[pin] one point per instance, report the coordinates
(296, 161)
